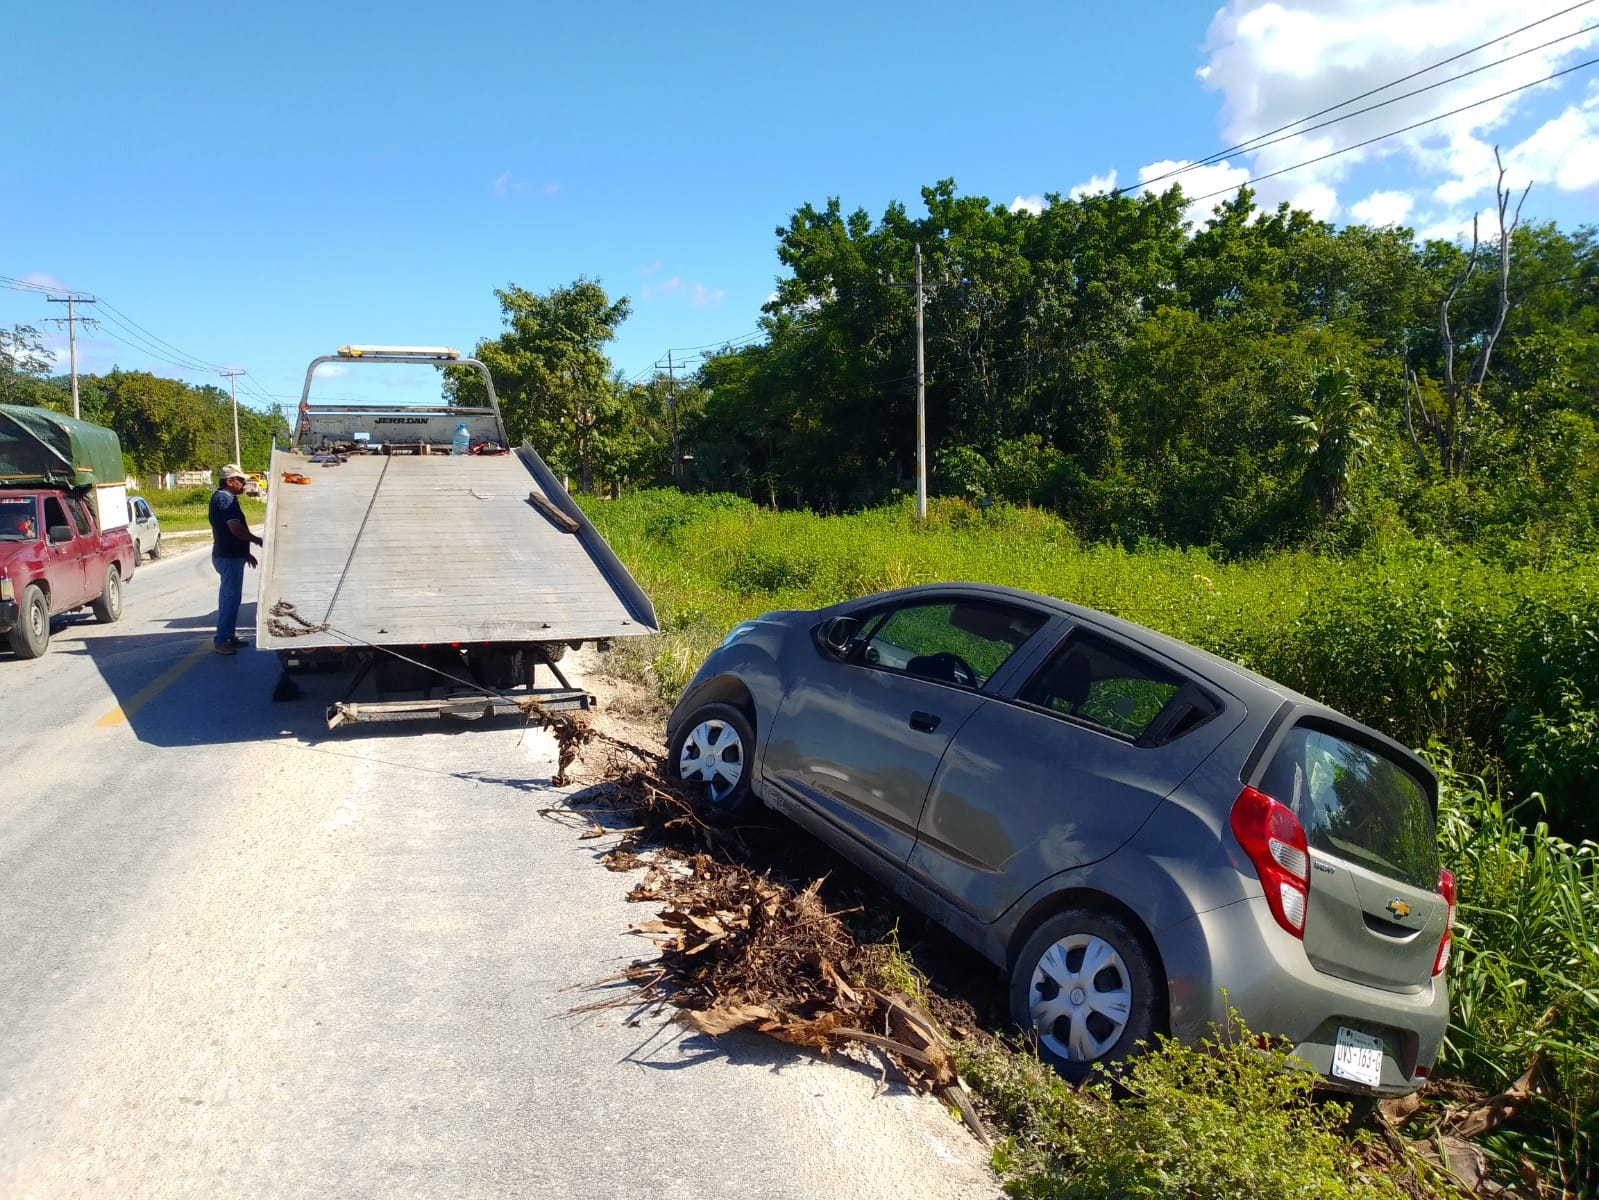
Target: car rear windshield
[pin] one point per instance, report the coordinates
(1357, 804)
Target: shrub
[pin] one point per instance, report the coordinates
(1216, 1121)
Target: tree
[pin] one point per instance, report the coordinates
(1449, 422)
(23, 362)
(551, 373)
(1328, 434)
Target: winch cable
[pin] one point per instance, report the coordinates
(366, 516)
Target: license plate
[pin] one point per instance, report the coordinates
(1357, 1056)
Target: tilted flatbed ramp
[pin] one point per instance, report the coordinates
(433, 549)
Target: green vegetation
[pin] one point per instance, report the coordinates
(1524, 983)
(183, 509)
(1220, 1120)
(1445, 649)
(1263, 381)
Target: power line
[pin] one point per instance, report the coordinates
(182, 354)
(1251, 144)
(1384, 104)
(24, 285)
(1230, 189)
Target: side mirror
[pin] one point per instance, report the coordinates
(60, 533)
(838, 635)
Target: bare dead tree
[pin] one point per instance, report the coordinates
(1449, 428)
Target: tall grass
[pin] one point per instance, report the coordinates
(1524, 985)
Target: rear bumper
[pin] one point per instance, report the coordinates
(1238, 957)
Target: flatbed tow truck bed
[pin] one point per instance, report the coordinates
(448, 579)
(411, 550)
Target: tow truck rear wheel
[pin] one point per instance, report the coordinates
(31, 637)
(108, 608)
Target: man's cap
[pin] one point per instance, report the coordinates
(232, 471)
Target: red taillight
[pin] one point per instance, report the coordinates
(1275, 843)
(1446, 887)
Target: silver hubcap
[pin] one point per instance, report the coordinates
(1080, 997)
(712, 754)
(39, 620)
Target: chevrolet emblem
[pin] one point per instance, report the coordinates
(1398, 908)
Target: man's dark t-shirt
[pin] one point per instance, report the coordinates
(225, 508)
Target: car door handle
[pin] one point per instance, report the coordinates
(924, 722)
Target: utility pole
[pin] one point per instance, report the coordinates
(671, 407)
(72, 339)
(231, 373)
(920, 289)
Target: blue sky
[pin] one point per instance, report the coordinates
(252, 186)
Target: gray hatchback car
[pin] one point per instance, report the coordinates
(1138, 833)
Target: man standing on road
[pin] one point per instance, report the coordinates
(231, 540)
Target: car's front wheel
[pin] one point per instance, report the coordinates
(711, 757)
(155, 547)
(1084, 986)
(31, 636)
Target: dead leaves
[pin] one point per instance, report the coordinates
(739, 950)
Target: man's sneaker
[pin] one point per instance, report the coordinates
(238, 643)
(224, 647)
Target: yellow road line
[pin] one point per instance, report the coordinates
(151, 690)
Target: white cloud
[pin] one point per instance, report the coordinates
(40, 279)
(1317, 199)
(1095, 185)
(1449, 227)
(1204, 186)
(1032, 205)
(651, 269)
(687, 291)
(507, 184)
(1383, 208)
(1274, 61)
(332, 371)
(552, 190)
(1563, 151)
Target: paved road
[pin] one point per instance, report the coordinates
(243, 956)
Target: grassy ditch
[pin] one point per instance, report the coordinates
(1452, 654)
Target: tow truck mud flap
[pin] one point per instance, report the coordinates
(469, 708)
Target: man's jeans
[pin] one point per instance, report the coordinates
(228, 595)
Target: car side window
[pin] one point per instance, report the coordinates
(79, 517)
(1094, 680)
(54, 514)
(959, 642)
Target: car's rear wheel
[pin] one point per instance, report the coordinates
(108, 608)
(1085, 987)
(710, 756)
(31, 637)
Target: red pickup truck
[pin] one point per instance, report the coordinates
(61, 483)
(54, 558)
